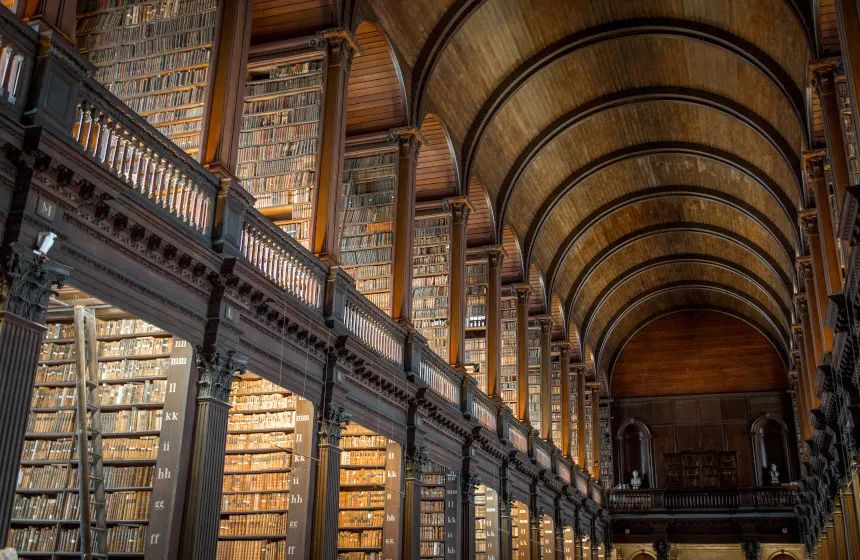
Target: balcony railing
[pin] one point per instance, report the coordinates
(18, 44)
(484, 411)
(703, 499)
(439, 376)
(282, 260)
(542, 454)
(519, 438)
(375, 329)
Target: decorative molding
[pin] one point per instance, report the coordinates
(416, 462)
(27, 283)
(332, 423)
(215, 372)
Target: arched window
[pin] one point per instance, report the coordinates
(770, 447)
(634, 453)
(642, 556)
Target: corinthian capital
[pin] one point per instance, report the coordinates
(27, 283)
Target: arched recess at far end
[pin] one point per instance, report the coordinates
(375, 98)
(436, 171)
(685, 353)
(769, 437)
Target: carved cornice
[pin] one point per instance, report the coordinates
(545, 323)
(332, 423)
(408, 140)
(27, 283)
(804, 267)
(808, 221)
(339, 44)
(523, 291)
(468, 485)
(215, 372)
(416, 462)
(461, 208)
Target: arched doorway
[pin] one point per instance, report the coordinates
(770, 447)
(635, 453)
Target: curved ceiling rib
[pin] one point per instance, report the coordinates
(645, 95)
(595, 165)
(777, 336)
(657, 192)
(655, 229)
(675, 260)
(748, 52)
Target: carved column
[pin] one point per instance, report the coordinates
(408, 142)
(595, 544)
(580, 418)
(545, 324)
(824, 82)
(495, 256)
(802, 303)
(564, 366)
(222, 120)
(852, 522)
(817, 183)
(801, 393)
(578, 548)
(558, 526)
(333, 419)
(595, 431)
(412, 504)
(215, 370)
(848, 22)
(534, 525)
(662, 548)
(816, 289)
(339, 46)
(25, 286)
(752, 550)
(523, 291)
(469, 483)
(460, 209)
(505, 524)
(813, 329)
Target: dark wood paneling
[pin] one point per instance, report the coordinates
(697, 352)
(282, 19)
(479, 230)
(374, 99)
(435, 176)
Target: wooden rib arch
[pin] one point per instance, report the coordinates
(657, 192)
(741, 48)
(675, 260)
(436, 171)
(638, 150)
(656, 229)
(647, 95)
(729, 291)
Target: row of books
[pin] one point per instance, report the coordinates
(257, 524)
(251, 550)
(360, 539)
(258, 461)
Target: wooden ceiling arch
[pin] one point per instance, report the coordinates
(436, 173)
(676, 260)
(667, 191)
(683, 296)
(680, 273)
(512, 266)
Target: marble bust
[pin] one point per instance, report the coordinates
(635, 481)
(774, 474)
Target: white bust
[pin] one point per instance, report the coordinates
(635, 481)
(774, 474)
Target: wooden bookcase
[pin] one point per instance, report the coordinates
(266, 473)
(520, 531)
(279, 141)
(431, 279)
(555, 395)
(569, 546)
(370, 496)
(144, 375)
(534, 352)
(439, 490)
(486, 523)
(155, 57)
(701, 469)
(547, 537)
(367, 223)
(476, 321)
(508, 373)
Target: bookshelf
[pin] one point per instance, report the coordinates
(370, 496)
(155, 57)
(589, 456)
(569, 546)
(143, 381)
(701, 469)
(508, 373)
(267, 473)
(476, 322)
(486, 523)
(555, 395)
(430, 280)
(547, 537)
(534, 345)
(439, 488)
(279, 142)
(520, 531)
(367, 224)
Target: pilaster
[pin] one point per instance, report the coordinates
(817, 184)
(495, 257)
(580, 372)
(545, 323)
(595, 431)
(408, 141)
(564, 367)
(469, 482)
(416, 460)
(823, 81)
(460, 209)
(523, 292)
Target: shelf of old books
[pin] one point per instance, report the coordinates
(367, 224)
(547, 537)
(265, 494)
(486, 523)
(439, 489)
(155, 57)
(520, 531)
(555, 395)
(476, 322)
(569, 546)
(508, 373)
(370, 496)
(534, 353)
(143, 375)
(589, 458)
(431, 278)
(279, 141)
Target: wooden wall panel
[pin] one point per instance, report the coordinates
(697, 352)
(374, 98)
(480, 229)
(435, 176)
(273, 20)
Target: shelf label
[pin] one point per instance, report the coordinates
(391, 527)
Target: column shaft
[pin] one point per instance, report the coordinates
(546, 378)
(408, 144)
(580, 419)
(564, 365)
(457, 330)
(595, 432)
(494, 321)
(832, 277)
(523, 292)
(333, 420)
(825, 83)
(848, 23)
(412, 505)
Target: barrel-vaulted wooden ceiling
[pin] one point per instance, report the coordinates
(645, 152)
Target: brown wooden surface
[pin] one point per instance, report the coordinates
(435, 177)
(690, 353)
(283, 19)
(481, 227)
